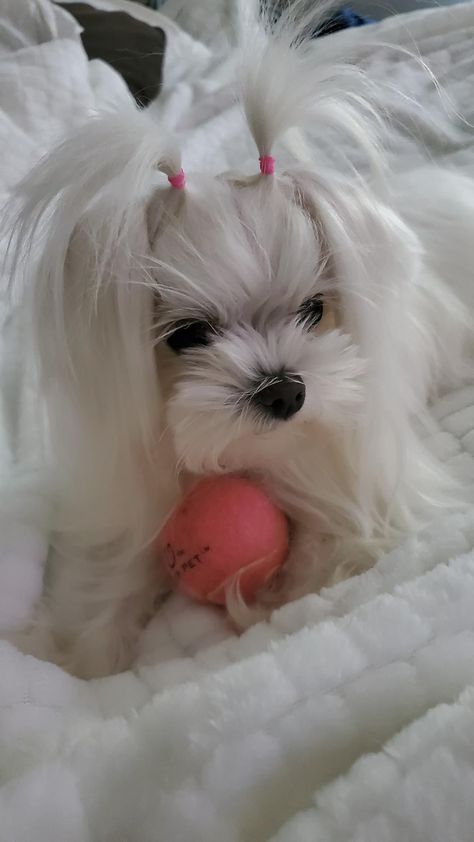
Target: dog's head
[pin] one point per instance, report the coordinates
(250, 338)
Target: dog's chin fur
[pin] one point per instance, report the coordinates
(113, 259)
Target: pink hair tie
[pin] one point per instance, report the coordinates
(267, 165)
(177, 181)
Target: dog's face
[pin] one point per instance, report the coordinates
(251, 345)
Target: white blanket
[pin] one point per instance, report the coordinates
(349, 716)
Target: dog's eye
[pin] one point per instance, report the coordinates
(311, 312)
(187, 335)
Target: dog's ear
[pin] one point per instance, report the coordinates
(374, 257)
(81, 248)
(376, 261)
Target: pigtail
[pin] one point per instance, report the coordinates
(289, 82)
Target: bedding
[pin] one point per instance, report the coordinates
(350, 714)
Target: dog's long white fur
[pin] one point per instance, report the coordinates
(109, 257)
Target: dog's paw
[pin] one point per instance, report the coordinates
(35, 639)
(91, 658)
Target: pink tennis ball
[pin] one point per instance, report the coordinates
(223, 527)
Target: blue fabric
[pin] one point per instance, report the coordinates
(352, 18)
(344, 18)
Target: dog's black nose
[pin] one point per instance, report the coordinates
(282, 397)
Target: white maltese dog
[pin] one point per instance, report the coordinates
(290, 326)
